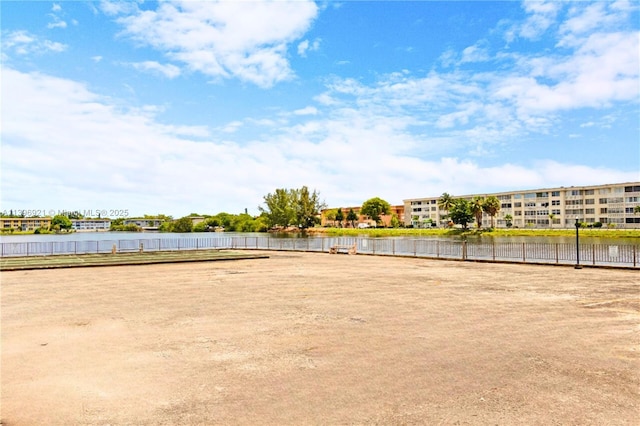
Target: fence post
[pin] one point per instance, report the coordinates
(493, 250)
(634, 256)
(393, 247)
(593, 254)
(414, 248)
(556, 253)
(464, 250)
(524, 258)
(437, 248)
(27, 249)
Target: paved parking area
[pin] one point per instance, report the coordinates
(311, 338)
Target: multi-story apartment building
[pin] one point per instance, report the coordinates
(611, 205)
(25, 223)
(90, 224)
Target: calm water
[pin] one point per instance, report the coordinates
(111, 236)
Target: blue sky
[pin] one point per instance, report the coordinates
(203, 106)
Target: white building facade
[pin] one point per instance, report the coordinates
(612, 205)
(90, 224)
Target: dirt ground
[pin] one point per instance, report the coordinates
(319, 339)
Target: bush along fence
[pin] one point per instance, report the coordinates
(623, 255)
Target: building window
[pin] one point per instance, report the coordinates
(505, 205)
(529, 204)
(635, 188)
(632, 199)
(517, 205)
(542, 194)
(555, 202)
(530, 195)
(588, 192)
(576, 192)
(590, 201)
(555, 193)
(632, 220)
(590, 211)
(557, 211)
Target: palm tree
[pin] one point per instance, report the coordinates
(509, 219)
(636, 209)
(551, 218)
(491, 207)
(477, 208)
(446, 202)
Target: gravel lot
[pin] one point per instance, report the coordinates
(309, 338)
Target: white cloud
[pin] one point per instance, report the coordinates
(166, 70)
(56, 7)
(306, 46)
(223, 39)
(542, 15)
(306, 111)
(476, 53)
(57, 23)
(24, 43)
(63, 143)
(96, 58)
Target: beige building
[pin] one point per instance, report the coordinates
(25, 223)
(611, 205)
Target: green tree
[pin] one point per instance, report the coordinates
(307, 206)
(374, 208)
(279, 209)
(477, 208)
(491, 207)
(395, 222)
(74, 215)
(60, 222)
(636, 209)
(352, 217)
(184, 224)
(551, 218)
(330, 215)
(445, 203)
(461, 213)
(339, 217)
(509, 219)
(298, 207)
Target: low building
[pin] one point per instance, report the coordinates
(90, 225)
(143, 223)
(363, 220)
(611, 205)
(25, 223)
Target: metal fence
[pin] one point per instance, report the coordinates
(623, 255)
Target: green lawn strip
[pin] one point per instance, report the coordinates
(69, 261)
